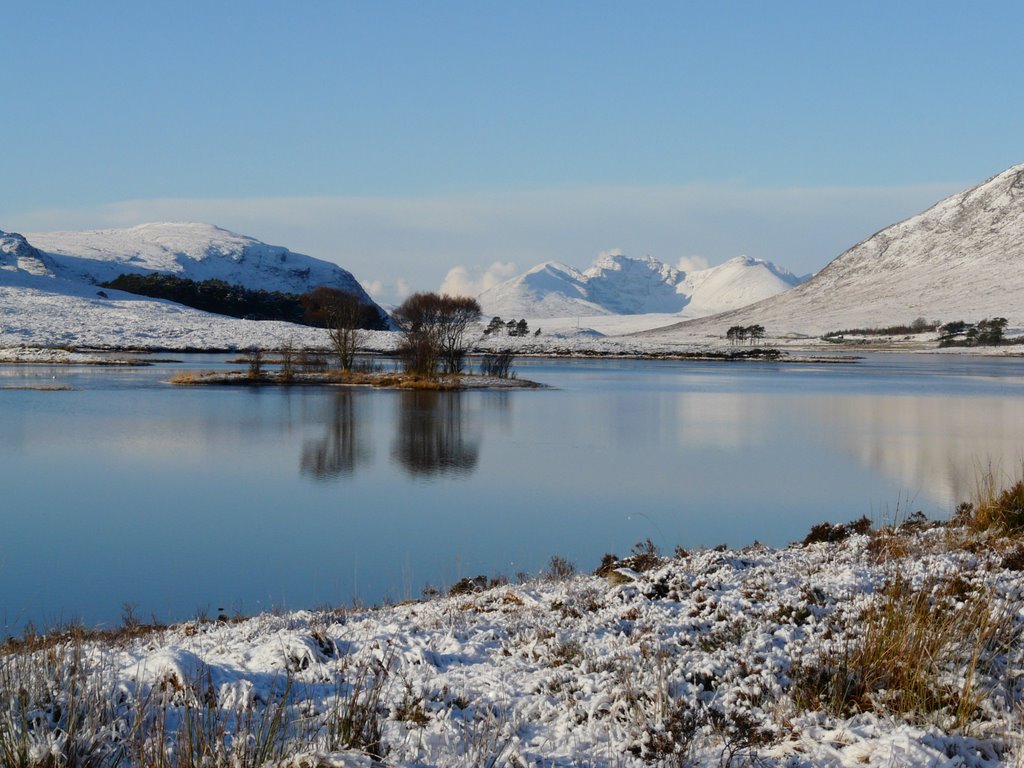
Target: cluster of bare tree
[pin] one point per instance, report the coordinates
(433, 332)
(433, 328)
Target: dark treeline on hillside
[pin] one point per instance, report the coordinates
(235, 301)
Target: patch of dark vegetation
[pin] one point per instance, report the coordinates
(740, 334)
(920, 325)
(1014, 561)
(609, 562)
(223, 298)
(832, 533)
(985, 333)
(757, 353)
(644, 557)
(511, 328)
(40, 388)
(474, 584)
(259, 377)
(672, 739)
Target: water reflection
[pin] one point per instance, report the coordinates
(344, 445)
(724, 420)
(938, 445)
(435, 434)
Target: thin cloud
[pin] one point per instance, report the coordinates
(466, 281)
(373, 287)
(692, 263)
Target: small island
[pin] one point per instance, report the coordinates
(394, 379)
(432, 351)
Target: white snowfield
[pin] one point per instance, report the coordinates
(620, 285)
(962, 259)
(47, 311)
(699, 661)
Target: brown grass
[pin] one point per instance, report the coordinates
(913, 641)
(995, 507)
(188, 378)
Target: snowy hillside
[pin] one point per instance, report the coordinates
(620, 285)
(960, 259)
(48, 311)
(18, 255)
(49, 296)
(193, 251)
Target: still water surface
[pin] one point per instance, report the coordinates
(186, 500)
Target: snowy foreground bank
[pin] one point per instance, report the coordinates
(881, 649)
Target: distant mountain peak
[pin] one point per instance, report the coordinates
(619, 284)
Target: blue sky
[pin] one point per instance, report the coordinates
(403, 139)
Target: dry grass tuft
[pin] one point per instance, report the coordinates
(912, 642)
(995, 507)
(189, 378)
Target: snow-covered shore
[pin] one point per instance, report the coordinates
(718, 657)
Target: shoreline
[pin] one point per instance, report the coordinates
(782, 351)
(712, 656)
(373, 380)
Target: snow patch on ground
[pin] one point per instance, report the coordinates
(693, 661)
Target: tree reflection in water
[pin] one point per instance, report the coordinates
(342, 448)
(435, 434)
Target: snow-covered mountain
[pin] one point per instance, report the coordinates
(962, 259)
(18, 255)
(193, 251)
(620, 285)
(48, 291)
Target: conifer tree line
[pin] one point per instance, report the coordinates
(512, 327)
(738, 334)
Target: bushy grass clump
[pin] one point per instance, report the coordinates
(995, 508)
(910, 640)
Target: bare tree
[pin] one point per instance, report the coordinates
(458, 313)
(287, 360)
(254, 356)
(343, 315)
(434, 329)
(419, 317)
